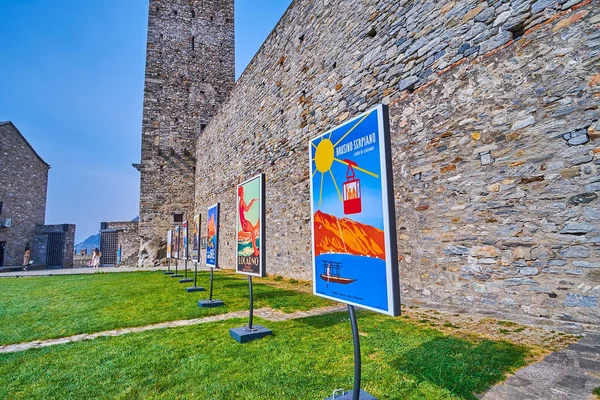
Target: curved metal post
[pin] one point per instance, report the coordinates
(356, 340)
(251, 302)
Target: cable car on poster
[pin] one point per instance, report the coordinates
(352, 196)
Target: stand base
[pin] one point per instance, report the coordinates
(210, 303)
(169, 272)
(243, 335)
(194, 289)
(348, 396)
(186, 280)
(176, 276)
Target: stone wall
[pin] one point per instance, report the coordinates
(494, 111)
(39, 251)
(23, 185)
(189, 73)
(128, 240)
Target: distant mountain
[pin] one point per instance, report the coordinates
(89, 243)
(343, 235)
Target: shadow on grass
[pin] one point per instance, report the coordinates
(460, 366)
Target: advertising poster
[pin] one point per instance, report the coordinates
(184, 240)
(169, 233)
(196, 239)
(353, 219)
(250, 227)
(212, 236)
(176, 242)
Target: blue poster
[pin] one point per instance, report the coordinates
(184, 240)
(353, 219)
(212, 236)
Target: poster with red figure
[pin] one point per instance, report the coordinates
(250, 253)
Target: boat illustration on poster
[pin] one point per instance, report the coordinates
(350, 214)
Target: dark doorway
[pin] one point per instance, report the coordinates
(56, 250)
(2, 245)
(109, 243)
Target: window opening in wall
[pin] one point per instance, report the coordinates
(0, 207)
(517, 31)
(193, 13)
(227, 20)
(175, 12)
(301, 38)
(202, 127)
(193, 43)
(212, 19)
(177, 217)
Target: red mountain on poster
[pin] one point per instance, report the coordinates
(211, 226)
(342, 235)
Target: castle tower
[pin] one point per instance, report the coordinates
(190, 70)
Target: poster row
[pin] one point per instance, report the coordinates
(354, 249)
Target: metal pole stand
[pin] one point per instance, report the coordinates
(169, 272)
(176, 275)
(210, 303)
(185, 279)
(250, 332)
(357, 393)
(195, 288)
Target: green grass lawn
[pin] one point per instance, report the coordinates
(57, 306)
(304, 359)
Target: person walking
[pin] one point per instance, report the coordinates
(96, 258)
(26, 258)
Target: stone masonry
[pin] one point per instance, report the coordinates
(189, 73)
(127, 238)
(23, 185)
(494, 126)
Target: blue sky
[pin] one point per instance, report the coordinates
(72, 79)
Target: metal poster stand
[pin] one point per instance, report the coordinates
(168, 271)
(185, 279)
(196, 288)
(250, 332)
(176, 275)
(356, 393)
(210, 303)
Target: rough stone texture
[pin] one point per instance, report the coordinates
(128, 238)
(499, 118)
(189, 72)
(509, 117)
(568, 374)
(23, 185)
(40, 243)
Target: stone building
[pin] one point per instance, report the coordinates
(119, 243)
(190, 70)
(23, 187)
(494, 129)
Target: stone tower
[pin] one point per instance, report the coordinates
(190, 70)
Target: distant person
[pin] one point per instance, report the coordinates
(96, 258)
(26, 258)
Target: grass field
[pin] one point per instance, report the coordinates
(58, 306)
(304, 359)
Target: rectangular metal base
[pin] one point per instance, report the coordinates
(176, 276)
(244, 335)
(209, 303)
(348, 396)
(169, 272)
(186, 280)
(194, 289)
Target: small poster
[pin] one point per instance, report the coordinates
(250, 227)
(212, 236)
(176, 242)
(353, 217)
(184, 240)
(196, 239)
(169, 237)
